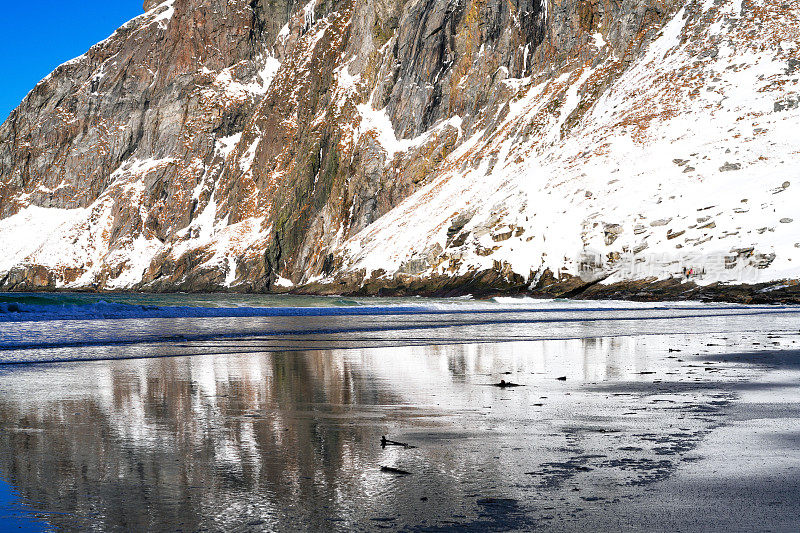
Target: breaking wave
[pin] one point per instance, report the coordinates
(72, 327)
(46, 307)
(28, 309)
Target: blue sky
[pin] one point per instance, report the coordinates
(36, 37)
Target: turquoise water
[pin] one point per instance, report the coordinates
(180, 299)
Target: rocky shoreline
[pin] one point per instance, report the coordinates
(490, 283)
(480, 284)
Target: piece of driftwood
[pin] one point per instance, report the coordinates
(505, 384)
(386, 442)
(392, 470)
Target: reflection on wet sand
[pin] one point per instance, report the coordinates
(187, 442)
(291, 440)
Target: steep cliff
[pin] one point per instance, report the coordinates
(415, 146)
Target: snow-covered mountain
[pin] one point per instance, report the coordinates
(416, 147)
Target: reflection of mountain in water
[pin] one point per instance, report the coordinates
(291, 439)
(214, 442)
(157, 447)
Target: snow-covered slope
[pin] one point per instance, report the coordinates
(346, 146)
(689, 160)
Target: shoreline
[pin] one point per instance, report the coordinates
(481, 285)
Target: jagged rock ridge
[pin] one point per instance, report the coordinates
(363, 145)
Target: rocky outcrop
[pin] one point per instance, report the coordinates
(386, 147)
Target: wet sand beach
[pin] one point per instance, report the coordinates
(685, 424)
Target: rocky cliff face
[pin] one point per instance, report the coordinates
(365, 145)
